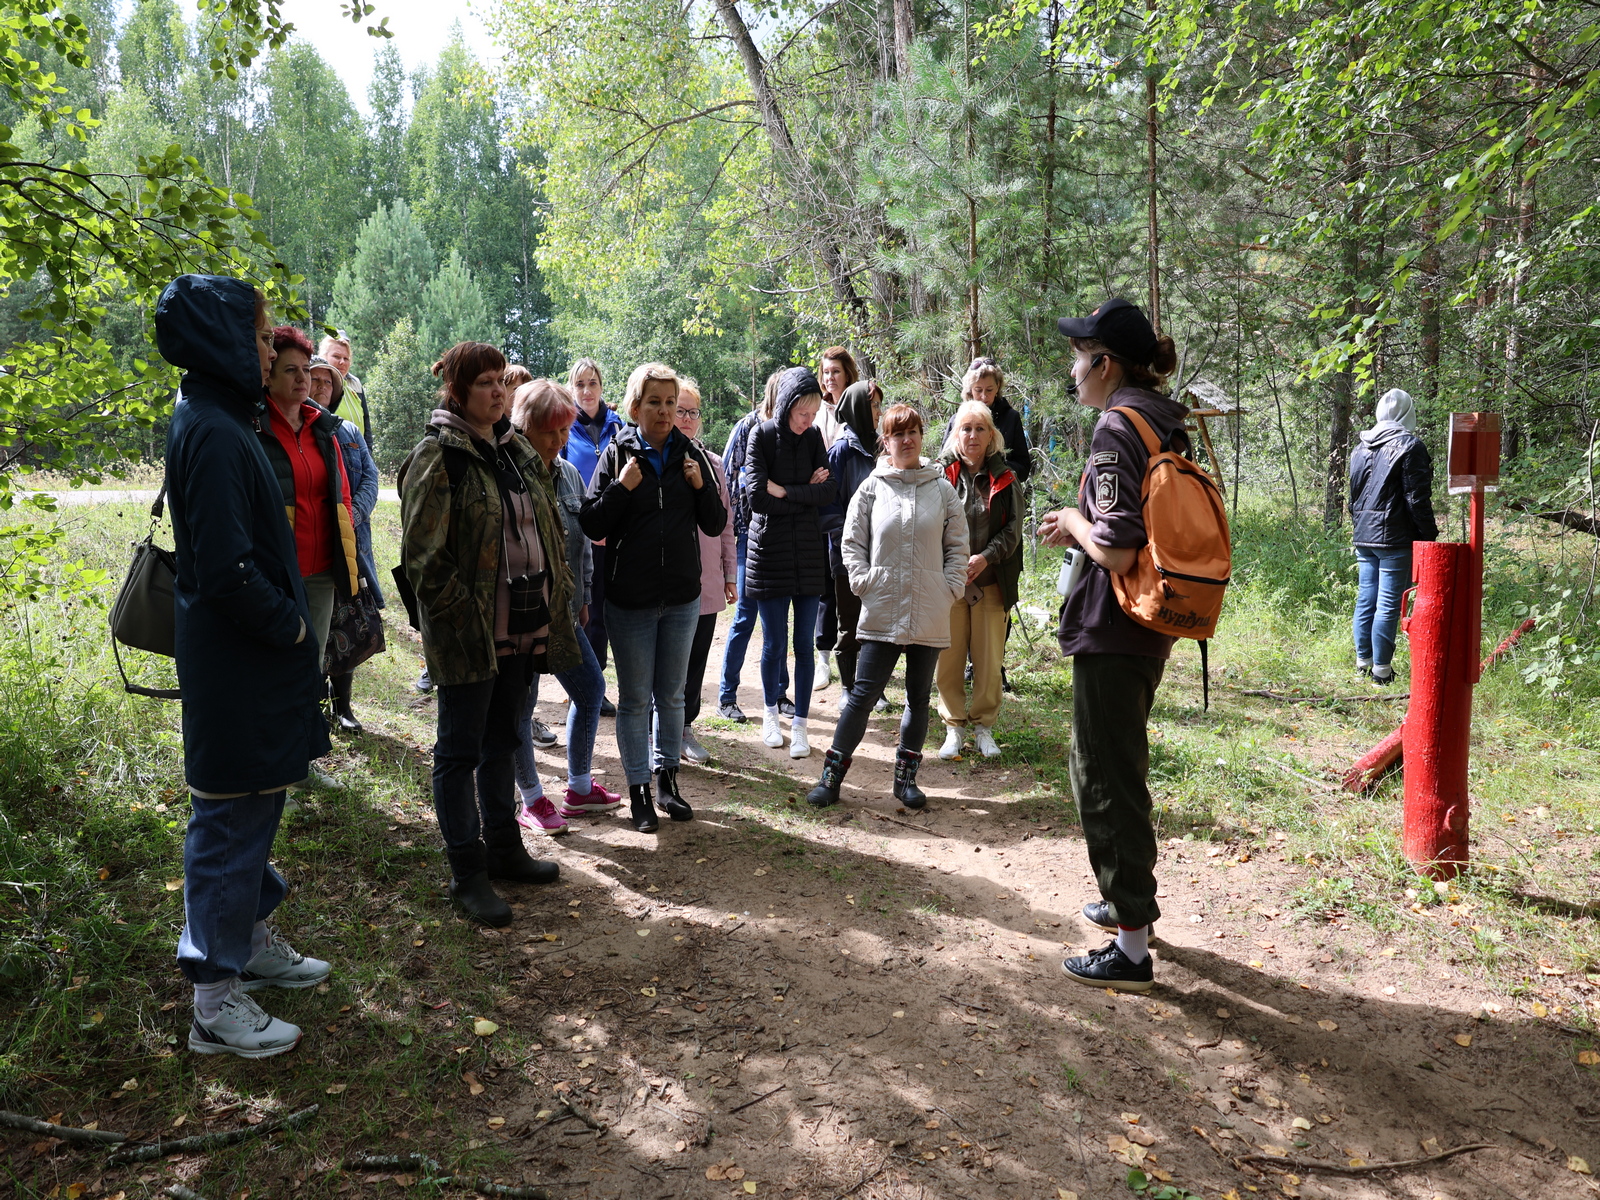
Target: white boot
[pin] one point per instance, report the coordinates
(983, 738)
(824, 674)
(954, 735)
(771, 731)
(799, 747)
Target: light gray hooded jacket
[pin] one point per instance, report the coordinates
(904, 547)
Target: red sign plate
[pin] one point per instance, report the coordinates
(1474, 452)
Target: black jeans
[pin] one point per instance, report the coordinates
(474, 792)
(699, 652)
(1110, 761)
(595, 630)
(848, 606)
(873, 668)
(827, 616)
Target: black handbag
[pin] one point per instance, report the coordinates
(144, 615)
(356, 633)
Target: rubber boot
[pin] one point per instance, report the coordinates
(834, 767)
(668, 799)
(906, 790)
(476, 897)
(642, 809)
(339, 685)
(514, 864)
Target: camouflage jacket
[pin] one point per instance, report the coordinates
(450, 545)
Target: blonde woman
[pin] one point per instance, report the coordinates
(652, 495)
(975, 464)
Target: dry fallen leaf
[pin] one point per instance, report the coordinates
(642, 932)
(550, 937)
(174, 885)
(1574, 1163)
(1300, 1123)
(496, 1122)
(474, 1085)
(335, 1089)
(1116, 1143)
(1328, 1026)
(483, 1027)
(750, 1186)
(1538, 1010)
(898, 1013)
(1589, 1058)
(1064, 1194)
(647, 991)
(761, 871)
(1463, 1039)
(1131, 1118)
(1142, 1137)
(1223, 1013)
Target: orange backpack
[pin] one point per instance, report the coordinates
(1178, 580)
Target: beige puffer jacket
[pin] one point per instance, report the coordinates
(905, 549)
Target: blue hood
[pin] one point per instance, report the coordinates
(206, 324)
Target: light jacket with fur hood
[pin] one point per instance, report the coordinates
(905, 550)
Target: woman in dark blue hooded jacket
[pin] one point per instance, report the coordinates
(851, 459)
(786, 561)
(247, 664)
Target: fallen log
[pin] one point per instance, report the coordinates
(1570, 517)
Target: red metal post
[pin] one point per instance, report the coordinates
(1444, 664)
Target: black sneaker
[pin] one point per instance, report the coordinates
(785, 706)
(1109, 967)
(607, 709)
(1098, 912)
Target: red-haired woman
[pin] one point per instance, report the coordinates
(482, 550)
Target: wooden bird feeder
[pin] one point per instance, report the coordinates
(1205, 399)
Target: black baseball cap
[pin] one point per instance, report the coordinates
(1120, 326)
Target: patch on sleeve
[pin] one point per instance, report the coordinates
(1104, 458)
(1105, 491)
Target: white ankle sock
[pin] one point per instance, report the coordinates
(797, 725)
(772, 711)
(209, 997)
(1135, 943)
(258, 938)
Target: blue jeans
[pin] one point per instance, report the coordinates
(650, 649)
(585, 686)
(774, 625)
(1382, 575)
(228, 884)
(474, 796)
(739, 631)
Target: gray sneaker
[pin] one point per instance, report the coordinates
(692, 750)
(240, 1027)
(543, 736)
(280, 965)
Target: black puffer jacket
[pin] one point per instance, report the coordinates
(787, 554)
(1391, 491)
(651, 533)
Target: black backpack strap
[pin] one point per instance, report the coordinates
(1205, 673)
(455, 459)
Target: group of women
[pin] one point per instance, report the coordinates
(541, 529)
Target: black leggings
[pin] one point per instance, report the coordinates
(873, 667)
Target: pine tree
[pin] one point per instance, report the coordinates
(383, 281)
(453, 309)
(387, 127)
(403, 392)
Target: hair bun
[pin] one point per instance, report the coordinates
(1165, 360)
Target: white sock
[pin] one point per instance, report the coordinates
(772, 712)
(258, 938)
(209, 997)
(798, 725)
(1135, 943)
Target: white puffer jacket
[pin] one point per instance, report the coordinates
(905, 549)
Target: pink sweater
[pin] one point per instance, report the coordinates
(718, 563)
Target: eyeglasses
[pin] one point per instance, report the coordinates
(689, 412)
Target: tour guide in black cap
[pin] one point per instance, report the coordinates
(1119, 361)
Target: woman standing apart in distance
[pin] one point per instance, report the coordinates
(718, 578)
(596, 426)
(905, 552)
(543, 412)
(481, 548)
(787, 559)
(974, 462)
(652, 494)
(1117, 664)
(1391, 506)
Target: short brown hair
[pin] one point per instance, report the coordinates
(516, 375)
(645, 373)
(900, 419)
(460, 365)
(541, 405)
(287, 337)
(845, 359)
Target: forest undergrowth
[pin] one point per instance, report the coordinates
(92, 812)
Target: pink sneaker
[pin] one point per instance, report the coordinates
(541, 815)
(597, 801)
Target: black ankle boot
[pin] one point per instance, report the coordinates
(515, 865)
(834, 767)
(641, 808)
(475, 897)
(339, 685)
(906, 790)
(668, 799)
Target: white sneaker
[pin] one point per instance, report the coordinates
(824, 670)
(983, 738)
(279, 965)
(771, 731)
(799, 746)
(240, 1027)
(954, 735)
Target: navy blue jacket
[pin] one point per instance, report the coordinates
(246, 656)
(849, 466)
